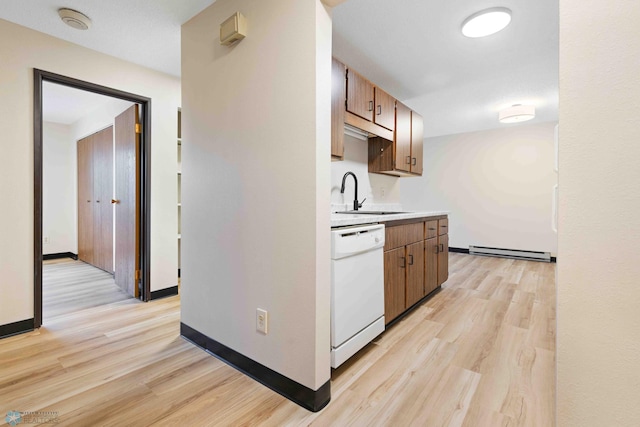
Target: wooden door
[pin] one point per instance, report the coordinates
(417, 136)
(127, 196)
(403, 137)
(359, 95)
(430, 264)
(85, 199)
(394, 279)
(338, 97)
(443, 259)
(385, 111)
(415, 273)
(103, 192)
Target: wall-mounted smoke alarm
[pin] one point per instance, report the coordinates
(74, 19)
(233, 29)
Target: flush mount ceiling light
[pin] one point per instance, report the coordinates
(517, 113)
(74, 19)
(486, 22)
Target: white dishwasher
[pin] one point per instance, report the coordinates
(357, 289)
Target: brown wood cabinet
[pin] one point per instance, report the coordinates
(443, 251)
(385, 109)
(416, 262)
(406, 158)
(338, 99)
(360, 96)
(95, 189)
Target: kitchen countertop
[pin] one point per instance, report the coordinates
(343, 220)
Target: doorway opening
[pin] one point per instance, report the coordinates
(131, 203)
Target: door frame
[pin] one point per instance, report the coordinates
(40, 76)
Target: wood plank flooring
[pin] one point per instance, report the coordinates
(69, 285)
(479, 353)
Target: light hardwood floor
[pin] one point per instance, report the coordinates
(69, 285)
(479, 353)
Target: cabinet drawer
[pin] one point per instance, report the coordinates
(402, 235)
(443, 226)
(430, 229)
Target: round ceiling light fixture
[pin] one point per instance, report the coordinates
(74, 19)
(486, 22)
(517, 113)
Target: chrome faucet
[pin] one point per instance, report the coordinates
(356, 205)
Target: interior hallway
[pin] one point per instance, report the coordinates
(69, 286)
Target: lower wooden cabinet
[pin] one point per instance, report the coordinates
(416, 262)
(443, 258)
(394, 289)
(415, 273)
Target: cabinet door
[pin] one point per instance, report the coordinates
(443, 258)
(394, 279)
(385, 111)
(417, 136)
(85, 199)
(415, 273)
(430, 264)
(338, 96)
(359, 95)
(403, 137)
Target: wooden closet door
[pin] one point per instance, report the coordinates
(85, 199)
(103, 192)
(127, 192)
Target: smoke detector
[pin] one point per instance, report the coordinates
(74, 19)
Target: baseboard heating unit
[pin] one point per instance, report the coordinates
(510, 253)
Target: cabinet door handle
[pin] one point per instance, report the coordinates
(404, 262)
(370, 105)
(97, 201)
(431, 228)
(408, 160)
(441, 247)
(410, 259)
(379, 109)
(414, 161)
(437, 249)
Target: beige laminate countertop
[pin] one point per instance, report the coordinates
(344, 220)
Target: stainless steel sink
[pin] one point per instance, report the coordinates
(370, 212)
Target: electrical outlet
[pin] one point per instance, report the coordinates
(262, 321)
(46, 240)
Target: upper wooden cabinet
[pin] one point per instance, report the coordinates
(360, 97)
(370, 103)
(406, 157)
(338, 97)
(385, 107)
(417, 136)
(402, 138)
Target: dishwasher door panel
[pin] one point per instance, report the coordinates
(357, 294)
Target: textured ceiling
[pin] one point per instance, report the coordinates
(145, 32)
(411, 48)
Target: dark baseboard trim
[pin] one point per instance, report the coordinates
(459, 250)
(178, 273)
(16, 328)
(313, 400)
(466, 251)
(163, 293)
(59, 256)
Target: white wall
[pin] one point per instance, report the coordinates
(29, 49)
(497, 185)
(59, 201)
(599, 230)
(255, 184)
(381, 191)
